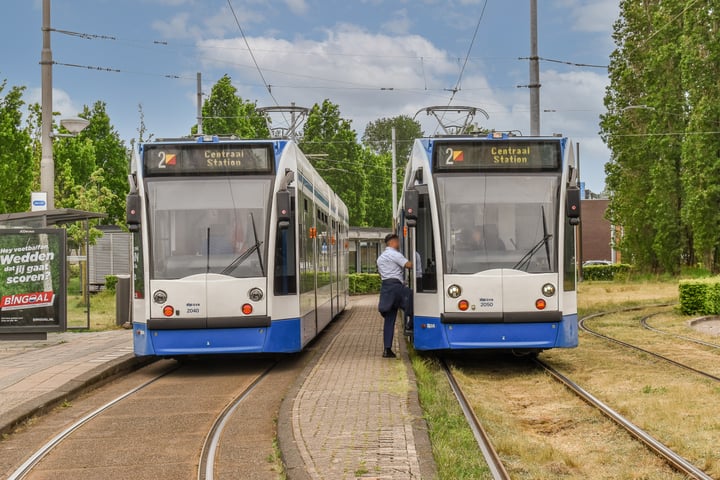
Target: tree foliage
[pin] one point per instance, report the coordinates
(225, 113)
(378, 135)
(664, 173)
(334, 151)
(16, 154)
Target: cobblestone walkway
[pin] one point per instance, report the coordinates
(351, 417)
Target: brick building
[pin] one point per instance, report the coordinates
(597, 232)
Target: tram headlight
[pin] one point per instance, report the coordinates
(454, 291)
(255, 294)
(160, 296)
(548, 289)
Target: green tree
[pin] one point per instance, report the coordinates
(378, 193)
(326, 133)
(378, 135)
(16, 155)
(111, 155)
(701, 151)
(645, 100)
(225, 113)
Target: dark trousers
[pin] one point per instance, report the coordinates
(393, 296)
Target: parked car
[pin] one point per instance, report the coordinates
(596, 262)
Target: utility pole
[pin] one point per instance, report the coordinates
(199, 104)
(394, 179)
(47, 164)
(534, 85)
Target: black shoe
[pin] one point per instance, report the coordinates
(388, 353)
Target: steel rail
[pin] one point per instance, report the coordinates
(595, 333)
(497, 469)
(647, 326)
(206, 467)
(43, 451)
(674, 459)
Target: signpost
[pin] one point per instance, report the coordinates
(32, 282)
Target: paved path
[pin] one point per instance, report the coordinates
(353, 416)
(34, 374)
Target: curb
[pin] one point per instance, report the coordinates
(423, 446)
(90, 380)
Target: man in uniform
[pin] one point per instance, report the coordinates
(393, 292)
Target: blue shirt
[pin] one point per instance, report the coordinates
(391, 265)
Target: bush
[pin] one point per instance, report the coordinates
(364, 283)
(110, 282)
(700, 296)
(617, 271)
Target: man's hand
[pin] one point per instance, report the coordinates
(408, 265)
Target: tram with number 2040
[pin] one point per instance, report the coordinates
(240, 247)
(490, 222)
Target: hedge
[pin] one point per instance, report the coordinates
(364, 283)
(110, 282)
(616, 271)
(700, 296)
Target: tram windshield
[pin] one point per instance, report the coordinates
(499, 222)
(208, 226)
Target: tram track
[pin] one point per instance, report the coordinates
(644, 323)
(670, 457)
(582, 325)
(23, 470)
(250, 377)
(206, 467)
(675, 460)
(492, 458)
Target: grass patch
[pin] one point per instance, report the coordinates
(456, 453)
(102, 311)
(601, 296)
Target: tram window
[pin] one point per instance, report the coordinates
(307, 254)
(499, 221)
(208, 231)
(285, 258)
(425, 247)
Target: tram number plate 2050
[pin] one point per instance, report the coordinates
(486, 302)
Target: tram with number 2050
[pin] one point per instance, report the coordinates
(490, 222)
(240, 247)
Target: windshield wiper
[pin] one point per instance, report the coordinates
(525, 260)
(246, 254)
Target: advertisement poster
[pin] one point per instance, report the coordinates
(32, 280)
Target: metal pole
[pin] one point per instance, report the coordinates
(534, 72)
(579, 255)
(47, 164)
(199, 104)
(394, 179)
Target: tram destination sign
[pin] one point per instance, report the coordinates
(207, 158)
(32, 280)
(483, 155)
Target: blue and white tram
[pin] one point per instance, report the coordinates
(492, 231)
(240, 247)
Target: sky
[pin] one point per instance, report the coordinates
(375, 58)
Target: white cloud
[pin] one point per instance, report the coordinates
(177, 27)
(61, 101)
(297, 6)
(596, 16)
(398, 25)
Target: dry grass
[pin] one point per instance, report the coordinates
(599, 296)
(543, 431)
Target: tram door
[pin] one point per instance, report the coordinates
(308, 263)
(425, 281)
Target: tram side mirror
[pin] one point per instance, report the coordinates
(412, 203)
(132, 212)
(573, 205)
(282, 200)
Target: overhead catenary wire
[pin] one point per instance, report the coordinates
(252, 55)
